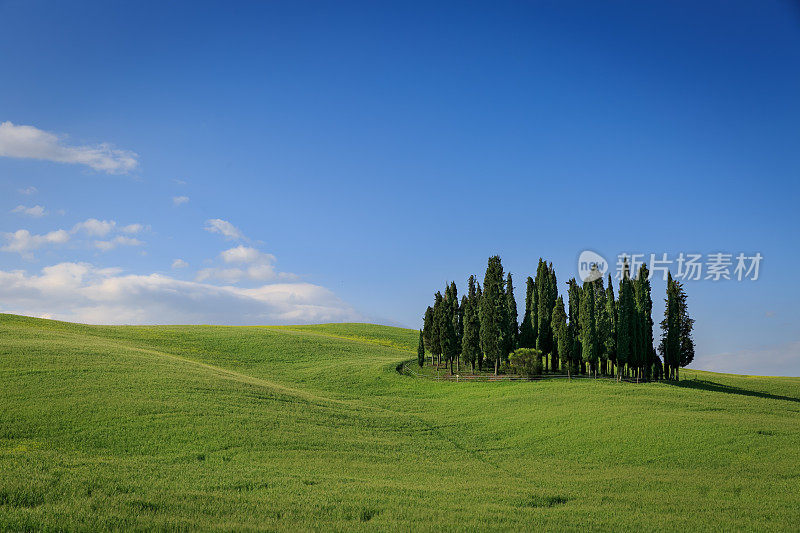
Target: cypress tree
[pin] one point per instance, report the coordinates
(574, 295)
(625, 326)
(644, 305)
(436, 333)
(611, 312)
(686, 324)
(588, 329)
(602, 322)
(477, 308)
(559, 322)
(462, 311)
(512, 335)
(534, 314)
(421, 351)
(677, 345)
(539, 284)
(457, 321)
(670, 335)
(449, 339)
(470, 343)
(427, 328)
(546, 300)
(493, 311)
(526, 338)
(552, 298)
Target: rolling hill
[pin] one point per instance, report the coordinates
(311, 427)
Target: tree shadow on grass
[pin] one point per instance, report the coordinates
(703, 384)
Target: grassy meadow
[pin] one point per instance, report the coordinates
(311, 428)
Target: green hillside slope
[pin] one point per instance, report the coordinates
(311, 428)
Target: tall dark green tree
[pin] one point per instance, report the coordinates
(611, 311)
(477, 307)
(677, 345)
(602, 323)
(436, 333)
(447, 327)
(626, 323)
(687, 325)
(427, 330)
(471, 341)
(534, 310)
(512, 329)
(547, 292)
(526, 335)
(493, 314)
(644, 306)
(670, 345)
(574, 296)
(562, 340)
(421, 351)
(588, 328)
(552, 292)
(457, 324)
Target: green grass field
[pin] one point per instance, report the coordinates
(287, 428)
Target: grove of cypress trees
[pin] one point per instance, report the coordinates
(610, 335)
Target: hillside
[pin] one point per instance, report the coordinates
(310, 427)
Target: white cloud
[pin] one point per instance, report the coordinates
(224, 228)
(119, 240)
(24, 242)
(132, 228)
(94, 227)
(245, 254)
(776, 360)
(252, 265)
(179, 263)
(180, 200)
(36, 211)
(32, 143)
(28, 190)
(83, 293)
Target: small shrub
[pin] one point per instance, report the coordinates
(526, 361)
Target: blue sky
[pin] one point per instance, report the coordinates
(343, 161)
